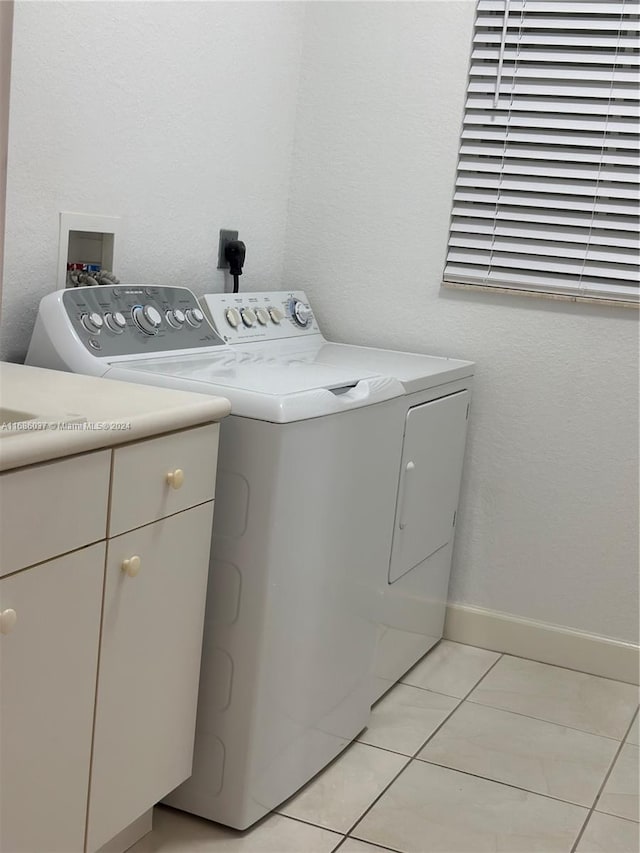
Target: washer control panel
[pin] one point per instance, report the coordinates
(274, 315)
(129, 319)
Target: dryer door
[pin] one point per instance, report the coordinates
(432, 457)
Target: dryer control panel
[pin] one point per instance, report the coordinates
(270, 316)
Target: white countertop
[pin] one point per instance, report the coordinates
(83, 403)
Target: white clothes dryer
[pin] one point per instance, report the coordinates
(408, 596)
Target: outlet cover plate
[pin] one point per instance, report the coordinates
(226, 236)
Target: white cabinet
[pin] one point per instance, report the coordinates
(48, 664)
(149, 669)
(99, 674)
(432, 456)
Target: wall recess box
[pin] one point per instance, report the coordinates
(86, 239)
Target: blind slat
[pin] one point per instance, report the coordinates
(561, 202)
(582, 248)
(523, 262)
(552, 136)
(559, 219)
(568, 8)
(586, 106)
(539, 231)
(527, 38)
(558, 171)
(551, 154)
(540, 185)
(585, 57)
(591, 23)
(558, 73)
(548, 121)
(554, 89)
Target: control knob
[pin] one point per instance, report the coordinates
(194, 317)
(92, 322)
(233, 317)
(147, 318)
(263, 316)
(300, 314)
(116, 322)
(248, 316)
(175, 318)
(276, 315)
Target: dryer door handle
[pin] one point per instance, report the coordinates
(408, 477)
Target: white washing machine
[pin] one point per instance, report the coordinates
(338, 478)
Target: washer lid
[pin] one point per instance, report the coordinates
(263, 386)
(415, 371)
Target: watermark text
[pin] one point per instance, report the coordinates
(64, 426)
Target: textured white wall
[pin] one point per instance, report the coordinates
(176, 116)
(547, 523)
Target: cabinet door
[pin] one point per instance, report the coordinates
(48, 664)
(149, 669)
(432, 456)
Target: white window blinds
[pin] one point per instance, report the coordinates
(547, 191)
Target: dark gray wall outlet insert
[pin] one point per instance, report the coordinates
(225, 237)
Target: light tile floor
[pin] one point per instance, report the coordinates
(472, 752)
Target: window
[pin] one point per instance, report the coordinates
(547, 190)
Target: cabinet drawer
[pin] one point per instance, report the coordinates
(140, 487)
(52, 508)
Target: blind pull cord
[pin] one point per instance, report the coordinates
(505, 24)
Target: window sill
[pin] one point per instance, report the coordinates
(542, 294)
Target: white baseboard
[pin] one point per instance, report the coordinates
(541, 641)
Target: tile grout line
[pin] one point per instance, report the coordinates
(602, 786)
(569, 668)
(517, 657)
(417, 687)
(544, 719)
(381, 846)
(500, 782)
(383, 748)
(301, 819)
(421, 747)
